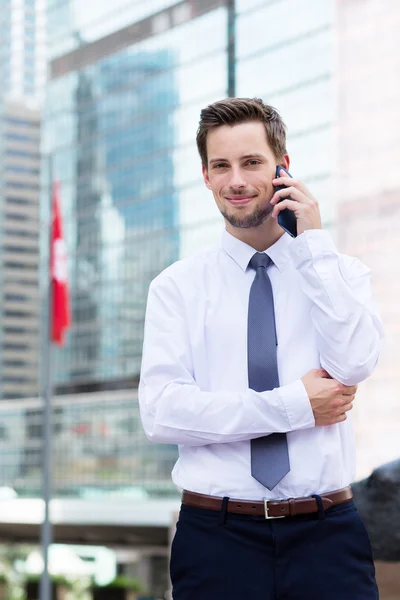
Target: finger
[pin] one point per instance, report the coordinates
(284, 179)
(289, 182)
(347, 399)
(346, 407)
(346, 389)
(341, 418)
(290, 204)
(291, 191)
(349, 390)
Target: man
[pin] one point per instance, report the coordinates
(252, 355)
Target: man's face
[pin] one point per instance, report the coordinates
(240, 169)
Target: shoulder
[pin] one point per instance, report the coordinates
(321, 243)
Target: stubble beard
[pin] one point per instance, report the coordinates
(256, 218)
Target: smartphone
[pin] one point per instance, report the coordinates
(286, 218)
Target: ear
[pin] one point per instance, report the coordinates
(206, 177)
(285, 162)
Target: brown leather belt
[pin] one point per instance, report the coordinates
(270, 509)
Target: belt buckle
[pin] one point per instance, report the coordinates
(267, 515)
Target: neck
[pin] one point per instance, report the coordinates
(261, 237)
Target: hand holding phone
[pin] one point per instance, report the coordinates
(286, 218)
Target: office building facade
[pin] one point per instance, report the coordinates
(22, 74)
(19, 264)
(22, 48)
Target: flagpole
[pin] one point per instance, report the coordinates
(46, 529)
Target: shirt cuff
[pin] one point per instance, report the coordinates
(311, 244)
(297, 405)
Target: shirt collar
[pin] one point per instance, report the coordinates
(242, 252)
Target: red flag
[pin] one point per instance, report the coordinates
(60, 309)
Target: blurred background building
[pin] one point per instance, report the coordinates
(368, 192)
(22, 48)
(22, 76)
(125, 85)
(19, 263)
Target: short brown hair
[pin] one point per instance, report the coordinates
(233, 111)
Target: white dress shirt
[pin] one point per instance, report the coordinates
(194, 381)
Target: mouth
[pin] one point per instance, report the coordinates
(239, 200)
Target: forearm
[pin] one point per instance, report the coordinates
(181, 413)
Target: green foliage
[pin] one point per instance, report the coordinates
(127, 583)
(58, 579)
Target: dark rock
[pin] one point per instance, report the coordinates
(378, 501)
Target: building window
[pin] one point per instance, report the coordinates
(20, 201)
(15, 347)
(17, 121)
(23, 154)
(17, 298)
(20, 138)
(18, 313)
(21, 233)
(17, 217)
(18, 169)
(18, 265)
(23, 186)
(17, 249)
(15, 363)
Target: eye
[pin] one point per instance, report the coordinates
(253, 162)
(220, 166)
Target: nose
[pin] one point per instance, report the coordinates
(237, 181)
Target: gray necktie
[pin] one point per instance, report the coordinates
(269, 454)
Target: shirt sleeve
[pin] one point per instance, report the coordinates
(345, 317)
(174, 410)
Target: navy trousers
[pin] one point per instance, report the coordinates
(222, 556)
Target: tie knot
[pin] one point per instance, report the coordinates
(260, 259)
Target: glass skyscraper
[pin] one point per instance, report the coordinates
(120, 206)
(120, 121)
